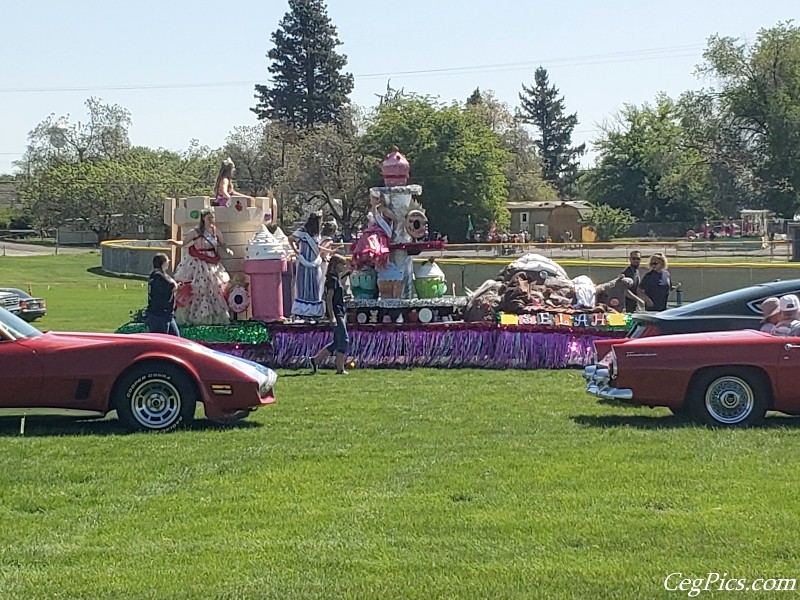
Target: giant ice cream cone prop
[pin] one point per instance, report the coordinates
(265, 263)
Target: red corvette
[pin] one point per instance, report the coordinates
(721, 378)
(152, 381)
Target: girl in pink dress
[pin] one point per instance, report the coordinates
(223, 188)
(372, 248)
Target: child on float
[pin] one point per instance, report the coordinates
(224, 191)
(336, 310)
(326, 238)
(372, 248)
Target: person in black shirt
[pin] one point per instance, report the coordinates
(160, 314)
(656, 285)
(632, 272)
(334, 304)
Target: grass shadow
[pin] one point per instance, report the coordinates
(206, 425)
(298, 373)
(66, 427)
(60, 427)
(637, 421)
(773, 421)
(99, 271)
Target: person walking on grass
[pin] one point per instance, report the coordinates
(335, 308)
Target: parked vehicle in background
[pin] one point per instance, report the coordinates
(30, 308)
(723, 378)
(10, 302)
(739, 309)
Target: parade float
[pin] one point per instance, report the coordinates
(532, 317)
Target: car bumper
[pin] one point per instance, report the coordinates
(32, 315)
(225, 400)
(598, 384)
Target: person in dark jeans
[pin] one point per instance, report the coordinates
(334, 304)
(632, 272)
(160, 313)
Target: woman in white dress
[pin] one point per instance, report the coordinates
(203, 279)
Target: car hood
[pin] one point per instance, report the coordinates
(170, 344)
(686, 315)
(165, 341)
(740, 336)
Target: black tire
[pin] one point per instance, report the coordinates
(155, 397)
(729, 398)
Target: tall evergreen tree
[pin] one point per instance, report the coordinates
(542, 107)
(308, 86)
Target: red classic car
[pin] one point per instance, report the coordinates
(720, 378)
(152, 381)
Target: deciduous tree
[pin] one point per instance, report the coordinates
(454, 155)
(523, 170)
(751, 122)
(56, 140)
(645, 165)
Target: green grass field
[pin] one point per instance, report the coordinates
(386, 484)
(79, 297)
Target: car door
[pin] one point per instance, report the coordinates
(787, 390)
(21, 375)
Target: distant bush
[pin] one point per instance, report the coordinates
(609, 222)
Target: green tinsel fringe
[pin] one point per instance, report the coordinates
(247, 332)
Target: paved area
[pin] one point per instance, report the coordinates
(17, 249)
(757, 253)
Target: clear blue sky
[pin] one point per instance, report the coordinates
(600, 55)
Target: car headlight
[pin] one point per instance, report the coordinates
(266, 385)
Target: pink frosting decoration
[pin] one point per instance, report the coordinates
(395, 169)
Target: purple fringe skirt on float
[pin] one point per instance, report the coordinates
(452, 345)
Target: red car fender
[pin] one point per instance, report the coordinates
(603, 347)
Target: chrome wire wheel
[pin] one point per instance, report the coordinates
(729, 400)
(156, 403)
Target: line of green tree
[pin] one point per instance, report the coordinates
(705, 154)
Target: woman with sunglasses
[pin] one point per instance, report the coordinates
(656, 285)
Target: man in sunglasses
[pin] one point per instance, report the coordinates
(632, 272)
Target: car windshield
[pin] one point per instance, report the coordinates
(744, 301)
(14, 328)
(17, 292)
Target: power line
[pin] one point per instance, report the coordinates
(590, 59)
(668, 52)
